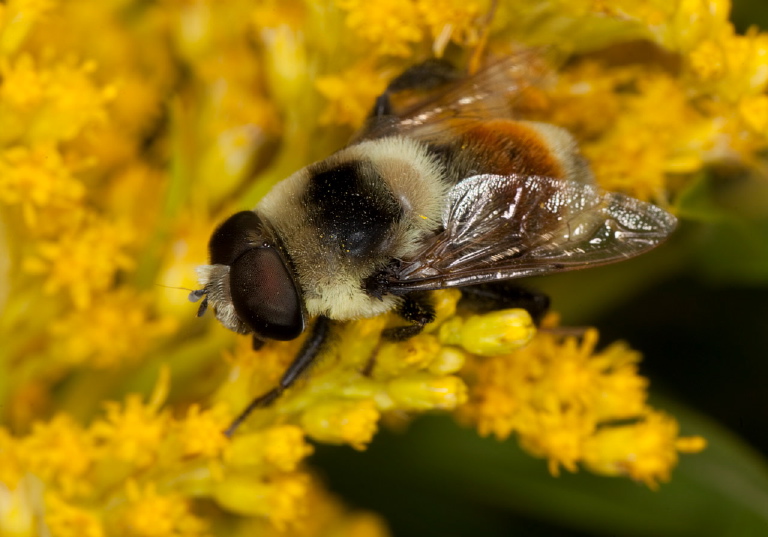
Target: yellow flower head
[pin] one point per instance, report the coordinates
(391, 27)
(84, 261)
(67, 520)
(200, 432)
(349, 94)
(556, 394)
(453, 21)
(281, 499)
(645, 450)
(65, 465)
(38, 180)
(279, 448)
(44, 105)
(150, 514)
(129, 128)
(117, 329)
(132, 432)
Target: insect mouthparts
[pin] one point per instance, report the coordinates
(196, 295)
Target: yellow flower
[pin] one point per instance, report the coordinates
(37, 179)
(638, 137)
(200, 432)
(45, 105)
(556, 394)
(66, 465)
(644, 451)
(66, 520)
(336, 422)
(272, 13)
(453, 20)
(350, 94)
(323, 515)
(132, 432)
(489, 334)
(130, 128)
(424, 391)
(119, 328)
(280, 447)
(17, 19)
(677, 25)
(395, 359)
(557, 434)
(20, 505)
(281, 498)
(84, 261)
(12, 468)
(150, 514)
(391, 27)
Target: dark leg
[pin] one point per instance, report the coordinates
(504, 295)
(257, 342)
(418, 309)
(309, 351)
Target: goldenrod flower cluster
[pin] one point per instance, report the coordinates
(129, 128)
(566, 402)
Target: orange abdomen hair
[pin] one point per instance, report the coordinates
(506, 147)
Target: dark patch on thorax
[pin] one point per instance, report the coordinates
(352, 207)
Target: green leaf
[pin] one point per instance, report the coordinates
(721, 491)
(729, 241)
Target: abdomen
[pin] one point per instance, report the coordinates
(507, 147)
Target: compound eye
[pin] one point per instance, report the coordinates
(238, 233)
(265, 296)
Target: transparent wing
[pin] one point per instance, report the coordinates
(492, 92)
(503, 227)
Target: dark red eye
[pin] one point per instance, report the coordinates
(261, 286)
(240, 232)
(264, 294)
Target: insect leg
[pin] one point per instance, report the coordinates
(309, 351)
(417, 308)
(504, 295)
